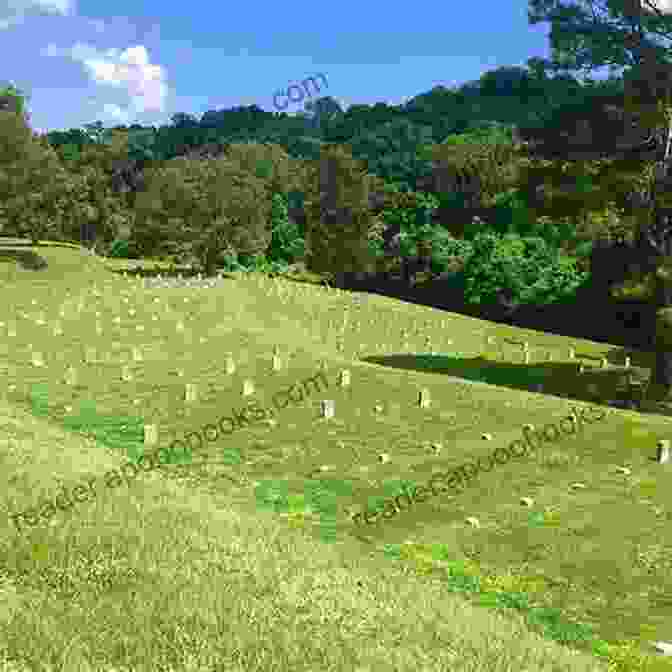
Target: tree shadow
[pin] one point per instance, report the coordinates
(615, 385)
(28, 259)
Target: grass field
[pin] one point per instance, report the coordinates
(243, 555)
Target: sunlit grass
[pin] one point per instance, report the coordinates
(245, 554)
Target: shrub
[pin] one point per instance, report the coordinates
(233, 262)
(448, 253)
(526, 270)
(582, 253)
(511, 215)
(230, 262)
(411, 213)
(287, 242)
(120, 249)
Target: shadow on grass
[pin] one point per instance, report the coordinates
(615, 385)
(28, 259)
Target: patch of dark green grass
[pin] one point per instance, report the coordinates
(557, 378)
(124, 433)
(542, 619)
(320, 495)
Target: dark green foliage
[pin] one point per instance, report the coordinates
(120, 249)
(450, 254)
(411, 211)
(410, 215)
(255, 207)
(582, 252)
(511, 214)
(287, 243)
(234, 262)
(339, 221)
(523, 270)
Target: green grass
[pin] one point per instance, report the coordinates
(171, 570)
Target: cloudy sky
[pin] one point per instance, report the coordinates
(123, 62)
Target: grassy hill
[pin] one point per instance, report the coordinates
(244, 553)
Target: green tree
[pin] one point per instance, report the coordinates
(202, 208)
(339, 222)
(270, 163)
(31, 174)
(100, 207)
(473, 169)
(393, 151)
(587, 35)
(635, 35)
(517, 270)
(287, 243)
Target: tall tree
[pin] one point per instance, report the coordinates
(635, 35)
(339, 221)
(202, 208)
(270, 163)
(476, 166)
(590, 34)
(31, 175)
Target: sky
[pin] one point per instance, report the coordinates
(127, 62)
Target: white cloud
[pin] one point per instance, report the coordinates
(665, 6)
(13, 12)
(128, 73)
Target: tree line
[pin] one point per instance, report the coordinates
(501, 185)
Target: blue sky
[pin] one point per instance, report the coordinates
(126, 62)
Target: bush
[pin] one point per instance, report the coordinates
(448, 253)
(582, 252)
(287, 242)
(511, 215)
(525, 270)
(412, 214)
(234, 262)
(411, 211)
(120, 249)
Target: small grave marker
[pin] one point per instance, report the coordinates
(191, 392)
(151, 435)
(71, 376)
(424, 398)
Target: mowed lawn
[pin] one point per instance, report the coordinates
(243, 554)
